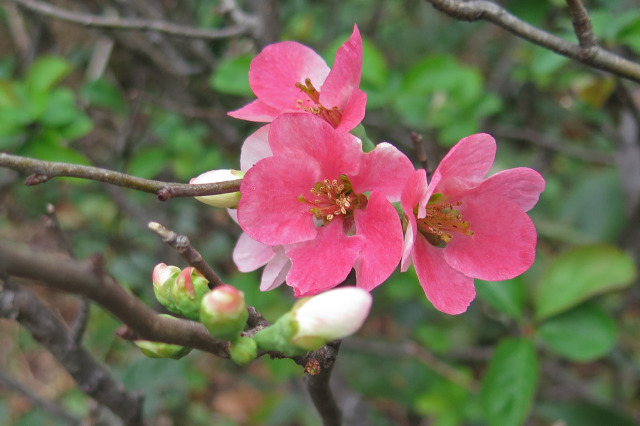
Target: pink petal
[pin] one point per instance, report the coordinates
(466, 164)
(324, 262)
(414, 192)
(520, 185)
(276, 270)
(503, 244)
(255, 148)
(249, 254)
(384, 169)
(344, 77)
(307, 136)
(273, 74)
(269, 210)
(380, 225)
(353, 112)
(256, 111)
(447, 289)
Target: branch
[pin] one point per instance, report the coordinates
(585, 53)
(132, 23)
(42, 171)
(318, 367)
(87, 278)
(183, 246)
(582, 25)
(22, 305)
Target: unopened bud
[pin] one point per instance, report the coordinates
(162, 350)
(315, 321)
(328, 316)
(164, 276)
(224, 312)
(243, 350)
(228, 200)
(187, 292)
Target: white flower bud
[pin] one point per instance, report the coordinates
(330, 315)
(229, 200)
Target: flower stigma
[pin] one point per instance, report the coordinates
(442, 221)
(312, 104)
(331, 198)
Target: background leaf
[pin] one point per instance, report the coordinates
(581, 273)
(583, 334)
(509, 384)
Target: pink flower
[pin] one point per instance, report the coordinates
(309, 197)
(290, 77)
(462, 226)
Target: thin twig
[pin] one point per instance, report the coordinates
(132, 23)
(42, 171)
(537, 138)
(318, 367)
(582, 27)
(79, 325)
(597, 58)
(183, 246)
(22, 305)
(413, 350)
(416, 139)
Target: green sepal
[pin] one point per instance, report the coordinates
(243, 350)
(187, 300)
(278, 337)
(360, 132)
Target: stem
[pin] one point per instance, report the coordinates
(587, 53)
(42, 171)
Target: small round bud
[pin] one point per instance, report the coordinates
(224, 312)
(187, 292)
(162, 350)
(164, 276)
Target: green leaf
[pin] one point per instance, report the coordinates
(47, 146)
(79, 127)
(581, 273)
(61, 109)
(582, 334)
(596, 206)
(45, 73)
(508, 387)
(102, 94)
(507, 296)
(232, 76)
(583, 414)
(148, 163)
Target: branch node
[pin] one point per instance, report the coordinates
(36, 179)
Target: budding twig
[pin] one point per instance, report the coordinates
(183, 246)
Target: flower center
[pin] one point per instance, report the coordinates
(312, 104)
(442, 221)
(331, 198)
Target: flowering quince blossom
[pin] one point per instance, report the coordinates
(462, 226)
(289, 77)
(309, 197)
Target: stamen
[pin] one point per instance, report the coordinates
(332, 198)
(312, 104)
(443, 220)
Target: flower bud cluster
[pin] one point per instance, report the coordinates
(180, 291)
